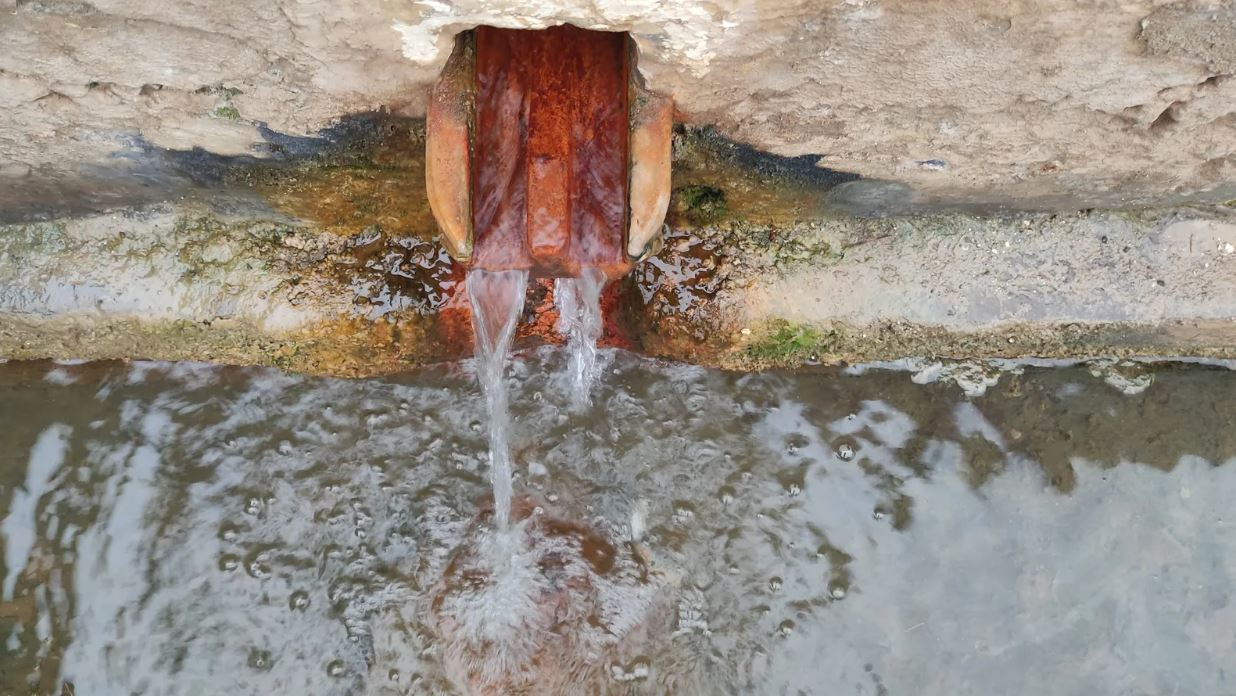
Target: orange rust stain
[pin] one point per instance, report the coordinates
(550, 151)
(451, 332)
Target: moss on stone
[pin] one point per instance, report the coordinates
(699, 203)
(786, 343)
(226, 111)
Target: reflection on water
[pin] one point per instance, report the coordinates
(179, 529)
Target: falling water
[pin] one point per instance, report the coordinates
(579, 319)
(497, 302)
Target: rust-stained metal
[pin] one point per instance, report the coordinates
(448, 166)
(652, 134)
(545, 154)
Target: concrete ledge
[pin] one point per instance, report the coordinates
(184, 282)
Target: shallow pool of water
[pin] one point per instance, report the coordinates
(183, 529)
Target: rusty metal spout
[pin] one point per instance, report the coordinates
(544, 154)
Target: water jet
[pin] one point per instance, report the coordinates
(546, 158)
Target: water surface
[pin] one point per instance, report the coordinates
(182, 529)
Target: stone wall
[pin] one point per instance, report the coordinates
(1035, 103)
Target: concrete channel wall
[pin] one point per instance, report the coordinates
(184, 283)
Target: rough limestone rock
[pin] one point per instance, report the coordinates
(1052, 102)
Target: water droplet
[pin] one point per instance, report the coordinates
(335, 668)
(538, 510)
(845, 452)
(774, 584)
(258, 568)
(838, 592)
(228, 562)
(299, 601)
(259, 659)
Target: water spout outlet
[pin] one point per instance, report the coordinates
(545, 154)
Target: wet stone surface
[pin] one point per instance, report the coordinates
(177, 528)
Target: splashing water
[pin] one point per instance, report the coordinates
(579, 319)
(497, 302)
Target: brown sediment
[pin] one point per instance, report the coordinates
(717, 180)
(375, 178)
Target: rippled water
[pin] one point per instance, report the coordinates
(179, 529)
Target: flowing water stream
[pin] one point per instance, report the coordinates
(578, 301)
(184, 529)
(497, 302)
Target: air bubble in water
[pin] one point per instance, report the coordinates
(785, 628)
(774, 584)
(837, 592)
(845, 452)
(299, 601)
(258, 567)
(259, 659)
(335, 668)
(229, 562)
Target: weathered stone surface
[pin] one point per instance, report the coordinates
(189, 283)
(1048, 103)
(1071, 285)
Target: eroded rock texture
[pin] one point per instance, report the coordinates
(1050, 102)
